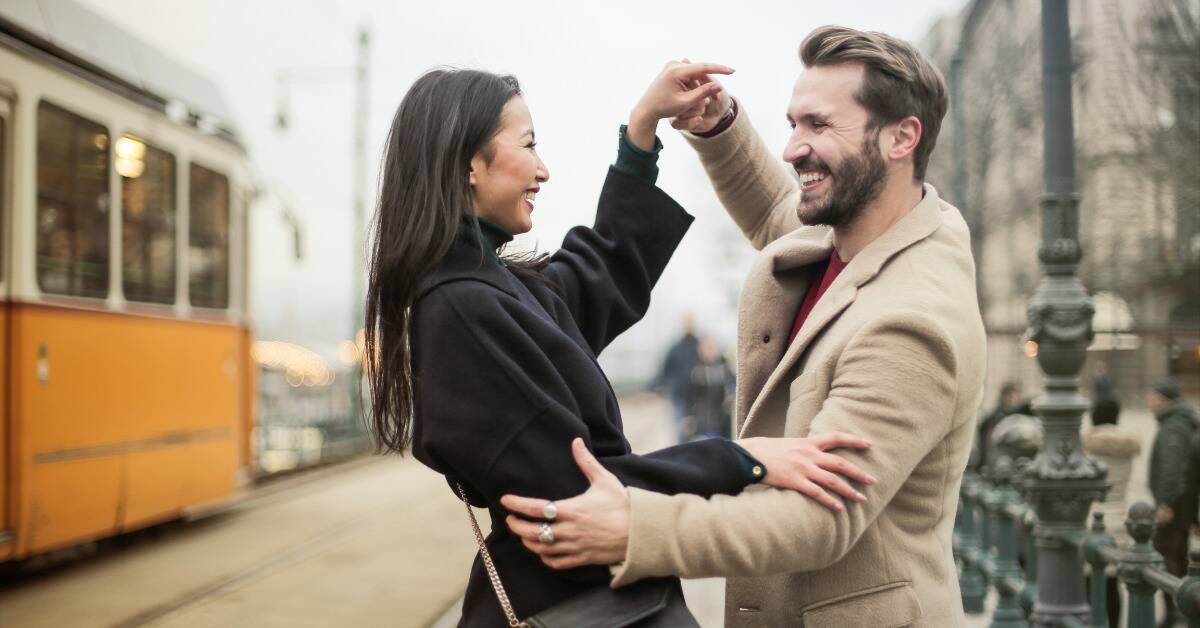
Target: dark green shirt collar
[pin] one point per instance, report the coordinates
(493, 235)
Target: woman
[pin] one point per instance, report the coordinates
(486, 365)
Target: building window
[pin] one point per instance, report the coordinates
(72, 204)
(147, 221)
(208, 238)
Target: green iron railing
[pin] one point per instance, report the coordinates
(994, 530)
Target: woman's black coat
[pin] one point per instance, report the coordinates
(506, 376)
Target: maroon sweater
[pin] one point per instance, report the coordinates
(815, 289)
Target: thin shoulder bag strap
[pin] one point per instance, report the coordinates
(493, 575)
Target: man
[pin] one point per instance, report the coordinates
(1010, 402)
(1173, 478)
(676, 373)
(862, 321)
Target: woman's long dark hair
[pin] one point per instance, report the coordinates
(446, 118)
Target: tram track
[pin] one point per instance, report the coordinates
(228, 583)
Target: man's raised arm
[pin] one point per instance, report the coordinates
(755, 188)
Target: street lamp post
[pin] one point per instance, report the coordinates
(358, 177)
(1061, 482)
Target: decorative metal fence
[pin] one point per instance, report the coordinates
(994, 535)
(301, 425)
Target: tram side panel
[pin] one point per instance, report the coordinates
(126, 420)
(7, 540)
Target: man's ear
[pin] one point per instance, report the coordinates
(906, 135)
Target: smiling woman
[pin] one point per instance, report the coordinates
(508, 173)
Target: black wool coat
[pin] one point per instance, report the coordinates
(505, 377)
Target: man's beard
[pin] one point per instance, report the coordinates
(858, 181)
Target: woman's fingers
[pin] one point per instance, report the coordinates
(835, 440)
(818, 494)
(694, 111)
(696, 70)
(838, 485)
(838, 464)
(699, 97)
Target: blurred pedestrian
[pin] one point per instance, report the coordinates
(710, 393)
(1116, 446)
(1010, 402)
(674, 379)
(1105, 403)
(1173, 478)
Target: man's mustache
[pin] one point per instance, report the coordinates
(811, 163)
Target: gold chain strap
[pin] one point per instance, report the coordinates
(493, 575)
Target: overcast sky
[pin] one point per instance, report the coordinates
(582, 66)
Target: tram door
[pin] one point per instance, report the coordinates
(6, 181)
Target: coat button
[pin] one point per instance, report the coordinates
(757, 471)
(766, 338)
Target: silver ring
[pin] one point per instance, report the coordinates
(550, 511)
(547, 535)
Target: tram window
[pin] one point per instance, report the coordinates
(208, 238)
(72, 207)
(147, 221)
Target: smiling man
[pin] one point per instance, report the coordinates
(859, 316)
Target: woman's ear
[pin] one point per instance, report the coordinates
(471, 176)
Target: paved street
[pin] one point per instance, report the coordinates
(374, 542)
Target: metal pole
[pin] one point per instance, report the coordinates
(960, 132)
(359, 182)
(1062, 481)
(359, 178)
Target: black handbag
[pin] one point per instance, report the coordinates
(648, 604)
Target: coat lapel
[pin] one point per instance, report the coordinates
(804, 247)
(769, 302)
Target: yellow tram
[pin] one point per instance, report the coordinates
(126, 383)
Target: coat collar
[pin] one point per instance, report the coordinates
(471, 258)
(812, 244)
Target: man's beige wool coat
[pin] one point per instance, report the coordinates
(894, 351)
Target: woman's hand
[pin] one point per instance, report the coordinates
(682, 91)
(804, 465)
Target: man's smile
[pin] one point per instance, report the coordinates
(811, 179)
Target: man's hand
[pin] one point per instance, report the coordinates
(706, 119)
(682, 91)
(804, 465)
(1164, 515)
(590, 529)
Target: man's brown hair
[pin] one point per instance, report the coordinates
(897, 80)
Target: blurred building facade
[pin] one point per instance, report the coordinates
(1137, 130)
